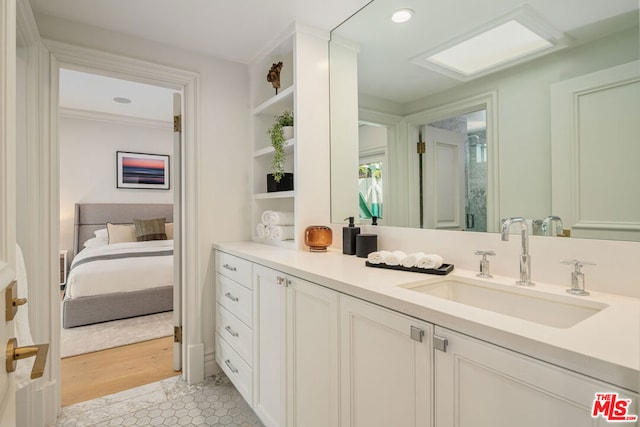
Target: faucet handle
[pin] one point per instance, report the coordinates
(484, 253)
(484, 263)
(577, 277)
(577, 263)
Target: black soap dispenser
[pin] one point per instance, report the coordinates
(349, 237)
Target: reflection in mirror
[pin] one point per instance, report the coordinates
(553, 144)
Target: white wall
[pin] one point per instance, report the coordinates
(223, 158)
(88, 164)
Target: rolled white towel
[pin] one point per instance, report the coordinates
(377, 257)
(261, 231)
(277, 218)
(411, 260)
(430, 261)
(394, 258)
(281, 232)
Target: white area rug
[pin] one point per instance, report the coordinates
(86, 339)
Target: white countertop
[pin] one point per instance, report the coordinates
(605, 346)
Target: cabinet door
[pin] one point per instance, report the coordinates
(385, 373)
(270, 350)
(479, 384)
(312, 345)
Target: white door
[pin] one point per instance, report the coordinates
(478, 384)
(444, 182)
(177, 230)
(7, 194)
(594, 134)
(385, 367)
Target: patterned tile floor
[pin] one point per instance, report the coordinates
(171, 402)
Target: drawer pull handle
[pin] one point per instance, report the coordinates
(231, 297)
(233, 368)
(229, 267)
(231, 331)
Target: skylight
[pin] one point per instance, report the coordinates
(514, 38)
(503, 43)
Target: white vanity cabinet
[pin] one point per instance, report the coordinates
(234, 321)
(296, 341)
(478, 384)
(385, 367)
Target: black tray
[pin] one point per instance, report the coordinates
(443, 270)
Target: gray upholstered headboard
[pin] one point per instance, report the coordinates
(90, 217)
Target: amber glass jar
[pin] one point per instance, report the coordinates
(318, 238)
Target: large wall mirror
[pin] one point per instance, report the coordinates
(435, 123)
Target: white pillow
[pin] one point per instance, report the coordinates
(94, 242)
(119, 233)
(168, 228)
(102, 234)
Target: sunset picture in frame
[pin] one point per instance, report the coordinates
(142, 171)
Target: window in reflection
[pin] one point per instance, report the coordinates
(370, 187)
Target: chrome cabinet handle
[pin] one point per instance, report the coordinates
(233, 368)
(231, 297)
(231, 331)
(229, 267)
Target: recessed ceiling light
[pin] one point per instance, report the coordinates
(402, 15)
(121, 100)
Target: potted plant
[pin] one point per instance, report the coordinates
(280, 131)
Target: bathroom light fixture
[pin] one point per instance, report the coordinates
(402, 15)
(121, 100)
(514, 38)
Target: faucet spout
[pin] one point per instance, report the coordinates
(525, 258)
(550, 225)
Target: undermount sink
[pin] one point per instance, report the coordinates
(553, 310)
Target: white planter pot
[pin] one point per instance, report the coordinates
(287, 132)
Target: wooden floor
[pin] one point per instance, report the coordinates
(87, 376)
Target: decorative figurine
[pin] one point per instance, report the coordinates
(273, 76)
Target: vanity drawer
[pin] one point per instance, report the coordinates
(240, 374)
(234, 268)
(235, 298)
(238, 335)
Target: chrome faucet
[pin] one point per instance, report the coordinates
(550, 225)
(525, 258)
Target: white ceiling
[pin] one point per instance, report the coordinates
(236, 30)
(90, 92)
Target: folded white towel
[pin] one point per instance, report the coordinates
(411, 260)
(430, 261)
(261, 231)
(277, 218)
(281, 232)
(377, 257)
(394, 258)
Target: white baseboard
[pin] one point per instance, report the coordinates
(195, 367)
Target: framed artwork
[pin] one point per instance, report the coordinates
(142, 171)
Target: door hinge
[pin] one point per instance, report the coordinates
(177, 123)
(177, 334)
(440, 343)
(417, 334)
(421, 147)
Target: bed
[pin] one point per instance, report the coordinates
(121, 279)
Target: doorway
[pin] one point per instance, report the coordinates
(456, 172)
(99, 117)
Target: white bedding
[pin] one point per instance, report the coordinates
(120, 275)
